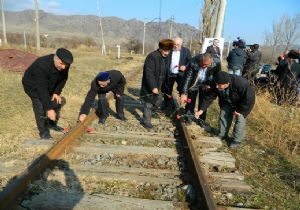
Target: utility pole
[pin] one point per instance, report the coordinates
(220, 19)
(191, 43)
(3, 23)
(103, 48)
(25, 42)
(37, 26)
(159, 16)
(171, 27)
(144, 34)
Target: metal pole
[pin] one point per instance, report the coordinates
(159, 26)
(144, 37)
(118, 52)
(3, 23)
(220, 19)
(37, 26)
(25, 42)
(101, 29)
(191, 42)
(171, 27)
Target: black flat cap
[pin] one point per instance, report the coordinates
(65, 55)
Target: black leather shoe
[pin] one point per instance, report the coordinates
(102, 120)
(155, 115)
(121, 117)
(46, 136)
(147, 125)
(57, 128)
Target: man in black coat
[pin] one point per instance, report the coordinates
(252, 62)
(43, 82)
(199, 78)
(154, 75)
(104, 82)
(236, 98)
(215, 51)
(237, 58)
(178, 61)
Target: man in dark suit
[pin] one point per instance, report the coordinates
(199, 77)
(43, 82)
(104, 82)
(215, 51)
(236, 99)
(178, 61)
(154, 75)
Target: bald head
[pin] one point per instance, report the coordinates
(177, 43)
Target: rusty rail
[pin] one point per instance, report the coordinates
(205, 190)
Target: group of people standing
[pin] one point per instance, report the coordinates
(199, 75)
(171, 63)
(242, 61)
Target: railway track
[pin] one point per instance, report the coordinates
(121, 165)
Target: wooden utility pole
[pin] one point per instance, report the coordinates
(3, 23)
(37, 26)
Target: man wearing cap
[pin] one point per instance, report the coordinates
(154, 74)
(104, 82)
(43, 82)
(199, 78)
(236, 99)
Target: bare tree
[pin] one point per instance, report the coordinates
(209, 14)
(284, 33)
(291, 30)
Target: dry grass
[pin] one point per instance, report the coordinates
(270, 156)
(275, 126)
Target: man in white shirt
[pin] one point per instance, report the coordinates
(178, 61)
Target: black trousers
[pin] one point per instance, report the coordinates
(102, 110)
(150, 106)
(189, 107)
(42, 121)
(168, 87)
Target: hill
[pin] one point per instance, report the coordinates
(115, 30)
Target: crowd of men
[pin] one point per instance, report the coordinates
(196, 77)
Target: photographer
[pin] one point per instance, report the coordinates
(252, 63)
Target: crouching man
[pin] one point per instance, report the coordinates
(43, 82)
(104, 82)
(236, 99)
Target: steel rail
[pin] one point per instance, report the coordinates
(17, 186)
(206, 192)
